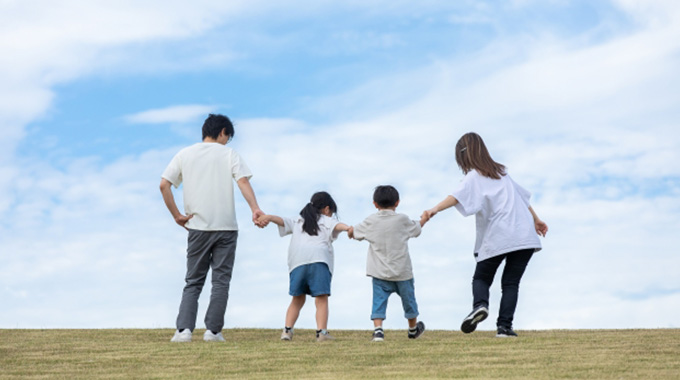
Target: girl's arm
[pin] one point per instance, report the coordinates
(541, 226)
(448, 202)
(341, 227)
(271, 218)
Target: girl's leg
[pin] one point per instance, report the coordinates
(482, 280)
(294, 309)
(321, 312)
(515, 264)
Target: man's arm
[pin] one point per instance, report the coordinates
(169, 199)
(249, 196)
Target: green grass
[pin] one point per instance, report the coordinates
(256, 353)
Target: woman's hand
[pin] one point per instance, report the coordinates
(541, 227)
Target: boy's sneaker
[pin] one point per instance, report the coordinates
(470, 322)
(209, 336)
(287, 334)
(378, 335)
(420, 329)
(182, 336)
(505, 332)
(323, 336)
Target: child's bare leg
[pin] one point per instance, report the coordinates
(322, 312)
(377, 322)
(412, 322)
(294, 309)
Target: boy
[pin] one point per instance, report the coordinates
(388, 260)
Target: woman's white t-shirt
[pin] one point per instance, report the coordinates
(308, 249)
(501, 207)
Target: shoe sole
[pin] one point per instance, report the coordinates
(287, 338)
(505, 336)
(378, 340)
(470, 323)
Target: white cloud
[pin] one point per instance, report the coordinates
(171, 114)
(566, 117)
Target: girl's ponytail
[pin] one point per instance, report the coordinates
(312, 210)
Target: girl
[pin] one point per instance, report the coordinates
(507, 229)
(310, 259)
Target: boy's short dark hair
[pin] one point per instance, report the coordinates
(214, 124)
(385, 196)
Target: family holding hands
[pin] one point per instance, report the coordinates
(507, 230)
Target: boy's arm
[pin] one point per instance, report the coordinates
(169, 199)
(249, 195)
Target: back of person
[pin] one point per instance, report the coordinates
(501, 206)
(388, 233)
(307, 249)
(207, 171)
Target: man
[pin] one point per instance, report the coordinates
(206, 169)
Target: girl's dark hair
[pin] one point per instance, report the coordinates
(471, 153)
(215, 123)
(311, 212)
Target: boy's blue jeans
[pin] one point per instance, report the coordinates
(382, 290)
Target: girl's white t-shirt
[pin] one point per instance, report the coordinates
(308, 249)
(501, 207)
(207, 171)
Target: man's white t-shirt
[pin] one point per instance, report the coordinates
(307, 249)
(207, 171)
(501, 207)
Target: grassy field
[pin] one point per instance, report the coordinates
(259, 354)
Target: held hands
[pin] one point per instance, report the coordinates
(260, 218)
(350, 232)
(427, 215)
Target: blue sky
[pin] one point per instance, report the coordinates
(578, 98)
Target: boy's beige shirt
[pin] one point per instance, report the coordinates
(388, 234)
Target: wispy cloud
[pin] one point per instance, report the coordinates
(171, 114)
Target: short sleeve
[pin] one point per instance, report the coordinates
(523, 193)
(173, 172)
(360, 230)
(413, 228)
(468, 195)
(239, 169)
(287, 227)
(330, 223)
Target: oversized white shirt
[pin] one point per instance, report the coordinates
(308, 249)
(388, 233)
(501, 207)
(207, 171)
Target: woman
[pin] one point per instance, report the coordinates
(507, 229)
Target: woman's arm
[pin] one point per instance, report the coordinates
(448, 202)
(541, 226)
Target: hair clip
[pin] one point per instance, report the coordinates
(464, 149)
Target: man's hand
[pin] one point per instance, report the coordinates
(182, 220)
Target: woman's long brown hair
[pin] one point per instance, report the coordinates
(471, 153)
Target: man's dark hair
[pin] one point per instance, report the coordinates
(215, 123)
(386, 196)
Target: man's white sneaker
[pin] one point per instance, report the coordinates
(183, 336)
(210, 337)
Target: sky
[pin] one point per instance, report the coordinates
(579, 99)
